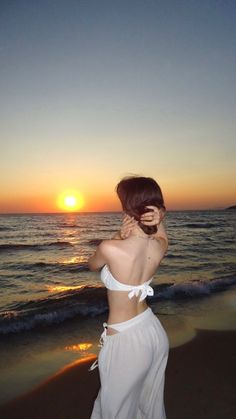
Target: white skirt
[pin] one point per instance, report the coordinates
(132, 366)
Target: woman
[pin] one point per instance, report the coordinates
(135, 347)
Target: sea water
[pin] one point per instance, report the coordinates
(52, 306)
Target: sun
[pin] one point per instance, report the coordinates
(70, 201)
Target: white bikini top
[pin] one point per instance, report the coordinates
(112, 284)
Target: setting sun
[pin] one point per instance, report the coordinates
(70, 201)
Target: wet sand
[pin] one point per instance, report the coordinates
(200, 384)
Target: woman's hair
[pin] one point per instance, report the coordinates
(135, 194)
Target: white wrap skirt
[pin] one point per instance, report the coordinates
(132, 366)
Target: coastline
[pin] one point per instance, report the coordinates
(200, 382)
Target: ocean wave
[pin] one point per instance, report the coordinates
(3, 228)
(108, 230)
(32, 246)
(174, 256)
(68, 226)
(45, 312)
(196, 289)
(52, 267)
(91, 301)
(94, 242)
(200, 225)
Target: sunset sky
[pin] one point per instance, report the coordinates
(91, 91)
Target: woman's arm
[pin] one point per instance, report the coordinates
(162, 236)
(155, 217)
(99, 258)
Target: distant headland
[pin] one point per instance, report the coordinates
(231, 208)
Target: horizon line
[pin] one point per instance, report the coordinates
(103, 212)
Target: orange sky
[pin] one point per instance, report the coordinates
(91, 93)
(194, 195)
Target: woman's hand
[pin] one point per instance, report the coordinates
(153, 217)
(128, 224)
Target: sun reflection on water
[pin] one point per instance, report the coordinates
(74, 259)
(79, 347)
(62, 288)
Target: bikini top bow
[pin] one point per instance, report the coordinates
(145, 289)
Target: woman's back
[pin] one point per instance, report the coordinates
(133, 261)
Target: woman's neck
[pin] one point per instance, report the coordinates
(138, 232)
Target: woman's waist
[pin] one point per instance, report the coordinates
(127, 324)
(123, 312)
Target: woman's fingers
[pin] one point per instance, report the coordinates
(126, 218)
(127, 224)
(152, 217)
(153, 208)
(147, 216)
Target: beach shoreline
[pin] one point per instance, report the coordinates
(200, 382)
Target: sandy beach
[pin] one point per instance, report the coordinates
(200, 383)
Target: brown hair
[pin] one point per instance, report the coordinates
(135, 193)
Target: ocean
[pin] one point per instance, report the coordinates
(52, 306)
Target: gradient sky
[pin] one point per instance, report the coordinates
(93, 90)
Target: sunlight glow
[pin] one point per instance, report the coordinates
(79, 347)
(70, 201)
(74, 260)
(62, 288)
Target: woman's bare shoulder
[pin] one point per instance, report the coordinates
(109, 245)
